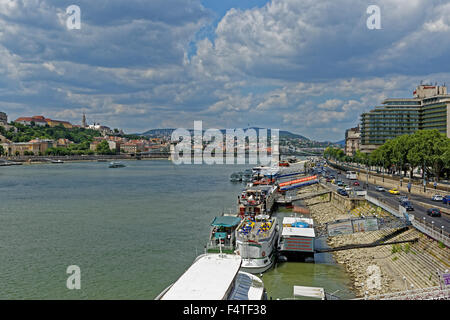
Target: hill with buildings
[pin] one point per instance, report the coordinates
(168, 132)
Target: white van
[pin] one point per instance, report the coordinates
(351, 175)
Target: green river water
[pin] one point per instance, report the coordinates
(132, 231)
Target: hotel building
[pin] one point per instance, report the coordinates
(428, 109)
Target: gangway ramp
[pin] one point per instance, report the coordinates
(290, 199)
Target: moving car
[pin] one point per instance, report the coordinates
(340, 183)
(446, 199)
(348, 188)
(394, 191)
(437, 197)
(403, 198)
(407, 205)
(379, 188)
(342, 192)
(434, 212)
(356, 183)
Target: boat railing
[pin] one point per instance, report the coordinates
(251, 204)
(215, 246)
(264, 235)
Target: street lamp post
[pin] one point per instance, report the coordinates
(401, 174)
(367, 177)
(406, 286)
(424, 178)
(432, 225)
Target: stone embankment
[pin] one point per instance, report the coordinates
(388, 268)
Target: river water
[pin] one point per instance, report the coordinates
(132, 231)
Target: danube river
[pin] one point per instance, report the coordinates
(132, 231)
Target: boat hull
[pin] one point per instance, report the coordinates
(254, 266)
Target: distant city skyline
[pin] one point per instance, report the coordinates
(300, 66)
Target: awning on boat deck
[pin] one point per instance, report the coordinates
(226, 221)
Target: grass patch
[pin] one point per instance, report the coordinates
(395, 258)
(396, 248)
(406, 248)
(441, 245)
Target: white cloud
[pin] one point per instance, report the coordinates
(302, 65)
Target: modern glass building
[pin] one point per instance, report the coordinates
(429, 109)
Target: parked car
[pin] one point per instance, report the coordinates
(407, 205)
(328, 180)
(379, 188)
(394, 191)
(434, 212)
(342, 192)
(348, 188)
(356, 183)
(340, 183)
(446, 199)
(437, 197)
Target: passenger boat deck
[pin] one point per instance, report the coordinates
(256, 229)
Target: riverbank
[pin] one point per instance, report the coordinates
(383, 269)
(73, 159)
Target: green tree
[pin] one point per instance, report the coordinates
(103, 148)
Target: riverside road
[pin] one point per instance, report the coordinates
(419, 212)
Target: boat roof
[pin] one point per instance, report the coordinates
(297, 232)
(248, 287)
(290, 220)
(208, 278)
(260, 187)
(311, 292)
(225, 221)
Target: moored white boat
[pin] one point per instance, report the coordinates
(215, 277)
(116, 165)
(256, 240)
(297, 238)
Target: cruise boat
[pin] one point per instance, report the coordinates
(263, 171)
(256, 241)
(296, 241)
(256, 199)
(116, 165)
(222, 237)
(215, 277)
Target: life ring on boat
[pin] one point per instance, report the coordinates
(263, 254)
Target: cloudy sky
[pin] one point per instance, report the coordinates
(308, 66)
